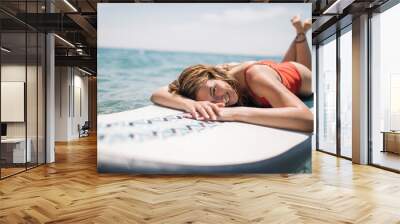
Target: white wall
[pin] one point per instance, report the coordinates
(12, 100)
(62, 81)
(70, 83)
(16, 72)
(13, 73)
(82, 82)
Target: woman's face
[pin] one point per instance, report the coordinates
(217, 91)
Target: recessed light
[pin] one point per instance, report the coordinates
(338, 6)
(70, 5)
(84, 71)
(64, 40)
(5, 50)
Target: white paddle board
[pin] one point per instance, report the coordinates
(155, 139)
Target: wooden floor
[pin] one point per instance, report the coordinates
(387, 159)
(71, 191)
(10, 171)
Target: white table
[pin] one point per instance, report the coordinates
(19, 155)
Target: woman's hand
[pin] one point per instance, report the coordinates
(224, 114)
(203, 110)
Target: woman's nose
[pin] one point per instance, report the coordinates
(218, 99)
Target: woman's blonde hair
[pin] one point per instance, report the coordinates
(191, 78)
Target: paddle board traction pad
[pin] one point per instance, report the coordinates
(158, 140)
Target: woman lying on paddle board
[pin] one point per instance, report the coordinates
(258, 92)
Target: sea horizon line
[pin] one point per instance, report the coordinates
(194, 52)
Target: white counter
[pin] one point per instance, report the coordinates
(19, 155)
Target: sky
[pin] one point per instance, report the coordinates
(235, 28)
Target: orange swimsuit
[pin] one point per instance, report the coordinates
(288, 72)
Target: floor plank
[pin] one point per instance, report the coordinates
(71, 191)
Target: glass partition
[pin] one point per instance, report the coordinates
(31, 99)
(14, 153)
(32, 86)
(41, 87)
(385, 89)
(327, 96)
(22, 77)
(346, 93)
(313, 87)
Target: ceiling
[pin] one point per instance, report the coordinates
(76, 22)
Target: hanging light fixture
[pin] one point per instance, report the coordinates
(70, 5)
(65, 41)
(5, 50)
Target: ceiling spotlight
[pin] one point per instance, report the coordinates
(64, 40)
(84, 71)
(5, 50)
(79, 51)
(338, 6)
(70, 5)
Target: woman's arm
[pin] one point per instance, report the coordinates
(288, 110)
(165, 98)
(195, 108)
(286, 117)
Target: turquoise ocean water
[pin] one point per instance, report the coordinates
(127, 77)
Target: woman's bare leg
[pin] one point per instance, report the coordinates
(290, 54)
(303, 53)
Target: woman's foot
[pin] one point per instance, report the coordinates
(296, 22)
(307, 25)
(301, 27)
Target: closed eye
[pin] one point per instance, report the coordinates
(212, 91)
